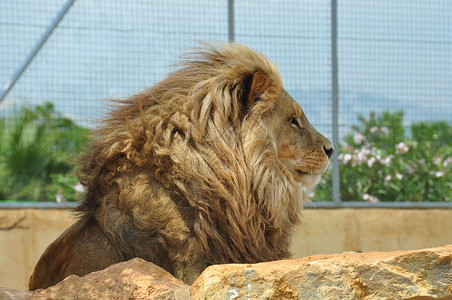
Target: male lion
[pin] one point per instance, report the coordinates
(205, 167)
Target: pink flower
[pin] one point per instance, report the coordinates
(437, 161)
(371, 161)
(387, 161)
(384, 130)
(439, 174)
(447, 162)
(409, 169)
(359, 138)
(79, 188)
(370, 198)
(345, 158)
(402, 148)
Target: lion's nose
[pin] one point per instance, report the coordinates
(329, 150)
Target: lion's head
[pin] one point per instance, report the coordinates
(218, 144)
(303, 151)
(258, 99)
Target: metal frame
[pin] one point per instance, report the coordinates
(336, 203)
(13, 79)
(37, 205)
(404, 205)
(311, 205)
(335, 105)
(231, 35)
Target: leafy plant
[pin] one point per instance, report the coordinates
(36, 148)
(381, 161)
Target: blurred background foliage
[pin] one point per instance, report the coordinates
(37, 149)
(380, 159)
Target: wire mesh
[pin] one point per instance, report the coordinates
(101, 50)
(392, 56)
(395, 56)
(296, 36)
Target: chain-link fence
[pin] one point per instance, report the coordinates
(354, 66)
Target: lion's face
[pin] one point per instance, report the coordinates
(302, 149)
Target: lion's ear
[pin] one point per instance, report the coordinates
(259, 84)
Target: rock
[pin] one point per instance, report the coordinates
(421, 274)
(10, 294)
(411, 275)
(133, 279)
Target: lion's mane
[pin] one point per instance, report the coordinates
(199, 139)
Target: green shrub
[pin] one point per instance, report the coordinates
(380, 161)
(36, 149)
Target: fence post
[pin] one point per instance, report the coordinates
(231, 20)
(335, 104)
(13, 79)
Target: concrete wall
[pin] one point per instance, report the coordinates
(324, 231)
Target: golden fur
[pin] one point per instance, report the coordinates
(205, 167)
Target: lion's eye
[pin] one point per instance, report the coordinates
(294, 122)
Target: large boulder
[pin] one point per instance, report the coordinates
(133, 279)
(373, 275)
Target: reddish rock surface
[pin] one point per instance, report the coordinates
(133, 279)
(6, 293)
(415, 275)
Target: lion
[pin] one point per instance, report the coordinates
(206, 167)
